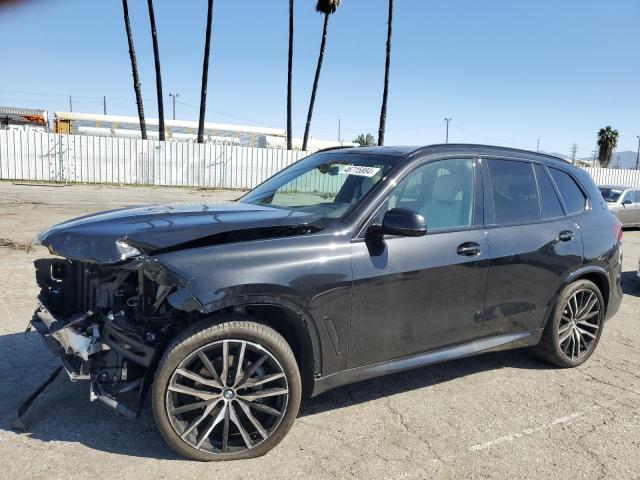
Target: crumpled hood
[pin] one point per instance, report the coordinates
(93, 237)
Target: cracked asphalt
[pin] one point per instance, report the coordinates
(498, 415)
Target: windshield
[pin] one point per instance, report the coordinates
(324, 184)
(610, 194)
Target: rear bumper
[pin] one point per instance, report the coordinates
(615, 287)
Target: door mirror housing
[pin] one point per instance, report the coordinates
(404, 222)
(627, 202)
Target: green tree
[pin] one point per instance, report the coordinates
(385, 92)
(365, 140)
(134, 70)
(326, 7)
(607, 142)
(205, 73)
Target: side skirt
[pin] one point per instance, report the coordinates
(491, 344)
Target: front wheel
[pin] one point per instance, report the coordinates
(225, 392)
(575, 326)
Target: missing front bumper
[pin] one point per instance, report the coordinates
(96, 348)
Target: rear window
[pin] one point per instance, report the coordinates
(549, 201)
(610, 195)
(574, 199)
(515, 193)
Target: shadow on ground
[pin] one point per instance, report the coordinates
(63, 413)
(631, 283)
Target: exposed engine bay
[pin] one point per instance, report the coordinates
(107, 323)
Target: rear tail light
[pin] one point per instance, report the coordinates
(617, 229)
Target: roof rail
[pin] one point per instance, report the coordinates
(337, 147)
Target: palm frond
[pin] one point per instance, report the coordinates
(327, 7)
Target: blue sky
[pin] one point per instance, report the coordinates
(508, 72)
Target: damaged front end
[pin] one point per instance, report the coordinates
(109, 323)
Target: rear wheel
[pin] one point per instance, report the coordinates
(225, 392)
(575, 326)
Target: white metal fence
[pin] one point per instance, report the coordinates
(612, 176)
(38, 156)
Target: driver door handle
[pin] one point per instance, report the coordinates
(566, 235)
(468, 249)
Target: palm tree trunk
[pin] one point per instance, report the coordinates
(385, 93)
(156, 58)
(205, 74)
(134, 69)
(315, 82)
(289, 78)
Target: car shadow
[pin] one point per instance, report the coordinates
(631, 283)
(428, 376)
(64, 413)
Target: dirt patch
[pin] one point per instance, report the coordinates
(8, 243)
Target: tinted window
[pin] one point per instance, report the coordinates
(573, 197)
(515, 194)
(609, 194)
(549, 201)
(440, 191)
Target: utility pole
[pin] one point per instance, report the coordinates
(574, 150)
(174, 96)
(70, 104)
(538, 146)
(638, 156)
(447, 120)
(104, 104)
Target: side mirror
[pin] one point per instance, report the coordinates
(401, 221)
(627, 202)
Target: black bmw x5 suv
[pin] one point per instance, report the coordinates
(348, 264)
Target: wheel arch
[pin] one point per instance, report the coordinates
(595, 274)
(289, 320)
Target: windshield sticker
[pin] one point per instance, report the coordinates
(360, 171)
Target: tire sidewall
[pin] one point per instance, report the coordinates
(556, 317)
(205, 333)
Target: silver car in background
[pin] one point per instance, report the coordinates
(624, 202)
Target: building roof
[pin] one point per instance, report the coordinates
(24, 115)
(93, 117)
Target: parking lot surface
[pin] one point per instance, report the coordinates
(502, 415)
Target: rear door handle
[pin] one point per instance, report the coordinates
(468, 249)
(566, 235)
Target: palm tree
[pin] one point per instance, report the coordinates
(289, 78)
(385, 93)
(156, 58)
(205, 73)
(326, 7)
(134, 69)
(607, 142)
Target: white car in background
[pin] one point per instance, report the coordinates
(624, 202)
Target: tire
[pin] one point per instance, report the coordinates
(569, 318)
(231, 411)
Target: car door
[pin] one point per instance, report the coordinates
(414, 294)
(533, 244)
(625, 208)
(633, 209)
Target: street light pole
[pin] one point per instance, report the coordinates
(174, 96)
(638, 156)
(447, 134)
